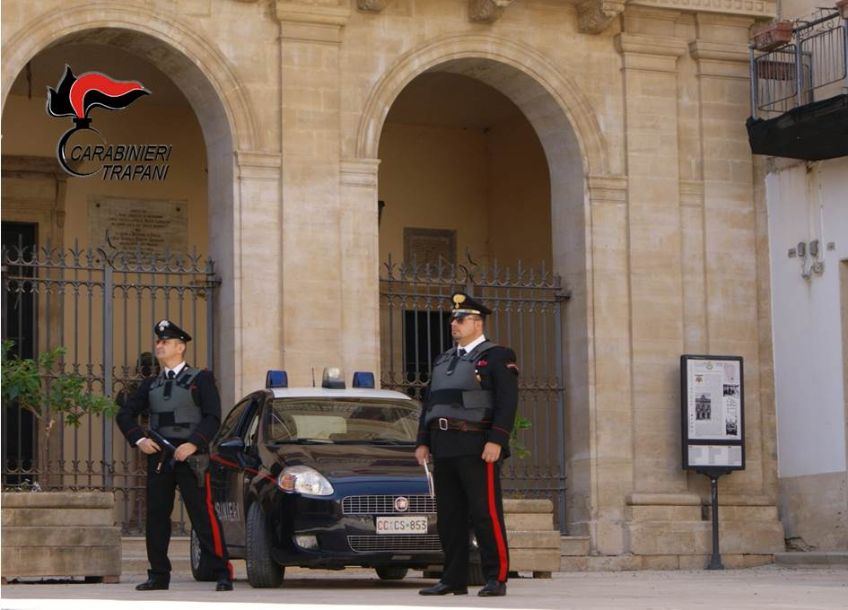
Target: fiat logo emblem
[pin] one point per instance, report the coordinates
(401, 504)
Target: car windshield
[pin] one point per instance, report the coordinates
(346, 420)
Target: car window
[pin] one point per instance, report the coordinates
(228, 428)
(252, 429)
(354, 420)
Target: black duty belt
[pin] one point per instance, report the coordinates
(447, 423)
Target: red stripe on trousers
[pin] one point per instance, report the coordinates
(496, 523)
(213, 519)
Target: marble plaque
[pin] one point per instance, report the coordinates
(151, 226)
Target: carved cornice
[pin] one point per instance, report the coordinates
(359, 172)
(313, 14)
(373, 6)
(486, 11)
(757, 8)
(593, 16)
(311, 22)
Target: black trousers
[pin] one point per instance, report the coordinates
(467, 488)
(161, 493)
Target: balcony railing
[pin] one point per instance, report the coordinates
(808, 68)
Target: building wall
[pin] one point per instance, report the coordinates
(655, 227)
(806, 202)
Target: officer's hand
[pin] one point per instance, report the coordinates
(148, 446)
(422, 454)
(491, 452)
(184, 450)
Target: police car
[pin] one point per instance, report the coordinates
(323, 478)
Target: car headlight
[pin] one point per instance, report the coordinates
(305, 480)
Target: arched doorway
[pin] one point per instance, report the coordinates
(111, 253)
(524, 128)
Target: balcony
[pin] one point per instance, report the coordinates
(799, 88)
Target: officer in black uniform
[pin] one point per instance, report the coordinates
(184, 408)
(466, 422)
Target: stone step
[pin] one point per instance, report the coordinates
(808, 559)
(574, 546)
(529, 521)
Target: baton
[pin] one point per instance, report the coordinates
(429, 481)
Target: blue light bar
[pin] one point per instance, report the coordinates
(276, 379)
(363, 379)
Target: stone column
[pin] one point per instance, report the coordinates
(649, 58)
(312, 303)
(601, 471)
(731, 237)
(360, 244)
(257, 270)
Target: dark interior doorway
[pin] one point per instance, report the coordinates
(19, 245)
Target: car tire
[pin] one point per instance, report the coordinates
(262, 571)
(391, 572)
(475, 574)
(199, 568)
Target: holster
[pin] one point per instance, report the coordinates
(199, 463)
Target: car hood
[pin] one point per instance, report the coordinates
(339, 462)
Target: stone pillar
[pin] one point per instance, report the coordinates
(601, 471)
(257, 270)
(360, 243)
(730, 236)
(312, 302)
(649, 58)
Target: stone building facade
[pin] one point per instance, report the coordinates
(654, 208)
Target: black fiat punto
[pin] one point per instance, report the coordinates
(324, 478)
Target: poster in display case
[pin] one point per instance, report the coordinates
(712, 412)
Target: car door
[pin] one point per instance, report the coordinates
(227, 472)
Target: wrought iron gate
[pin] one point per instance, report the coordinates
(100, 307)
(527, 316)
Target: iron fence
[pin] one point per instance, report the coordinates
(526, 315)
(809, 68)
(101, 308)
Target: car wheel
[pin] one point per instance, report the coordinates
(475, 574)
(262, 571)
(199, 568)
(391, 573)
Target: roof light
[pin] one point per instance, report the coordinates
(332, 379)
(363, 379)
(276, 379)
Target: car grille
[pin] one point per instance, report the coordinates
(369, 505)
(394, 542)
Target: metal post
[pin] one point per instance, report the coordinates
(560, 370)
(799, 76)
(715, 560)
(108, 357)
(754, 84)
(210, 312)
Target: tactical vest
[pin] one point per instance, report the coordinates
(458, 394)
(173, 413)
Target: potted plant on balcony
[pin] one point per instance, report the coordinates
(56, 533)
(769, 36)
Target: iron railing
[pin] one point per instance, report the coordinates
(100, 307)
(527, 305)
(809, 68)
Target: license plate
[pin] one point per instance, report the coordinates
(412, 524)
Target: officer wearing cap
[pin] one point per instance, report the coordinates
(465, 425)
(184, 407)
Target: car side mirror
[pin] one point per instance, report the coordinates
(233, 445)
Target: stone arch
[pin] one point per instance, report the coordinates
(478, 57)
(577, 154)
(215, 94)
(208, 76)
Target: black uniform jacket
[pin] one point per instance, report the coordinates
(205, 395)
(498, 373)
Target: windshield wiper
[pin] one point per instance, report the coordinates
(373, 441)
(303, 441)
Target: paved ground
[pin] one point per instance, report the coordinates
(751, 589)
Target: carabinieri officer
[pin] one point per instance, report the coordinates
(466, 422)
(185, 408)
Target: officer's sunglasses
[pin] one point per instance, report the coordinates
(459, 318)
